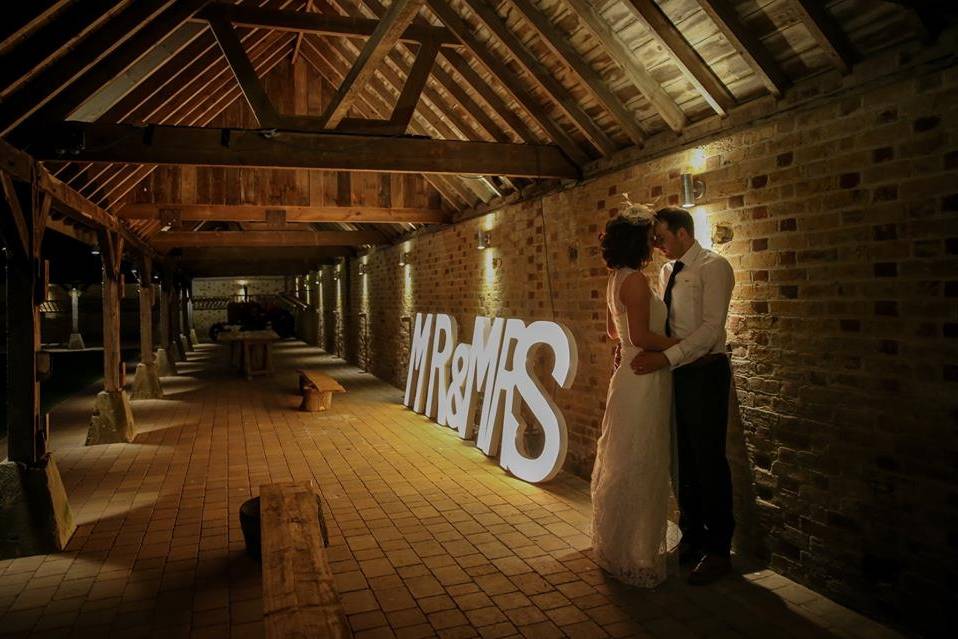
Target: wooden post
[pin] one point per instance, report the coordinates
(146, 383)
(112, 419)
(165, 358)
(76, 339)
(35, 516)
(185, 315)
(176, 340)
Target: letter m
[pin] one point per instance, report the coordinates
(418, 363)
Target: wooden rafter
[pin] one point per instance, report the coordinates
(559, 43)
(751, 49)
(176, 239)
(541, 76)
(498, 68)
(199, 146)
(827, 33)
(327, 24)
(299, 36)
(99, 54)
(683, 55)
(290, 213)
(661, 101)
(412, 89)
(383, 39)
(242, 68)
(19, 21)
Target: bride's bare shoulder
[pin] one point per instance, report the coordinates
(636, 283)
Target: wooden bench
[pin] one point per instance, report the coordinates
(317, 389)
(299, 594)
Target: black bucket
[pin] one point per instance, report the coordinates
(250, 523)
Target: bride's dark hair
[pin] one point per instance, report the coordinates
(625, 243)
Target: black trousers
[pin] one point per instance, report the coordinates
(705, 482)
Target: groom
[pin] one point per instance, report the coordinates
(697, 287)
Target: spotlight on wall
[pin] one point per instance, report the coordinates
(362, 268)
(692, 190)
(483, 239)
(404, 258)
(94, 251)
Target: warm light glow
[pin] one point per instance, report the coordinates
(483, 239)
(697, 160)
(703, 226)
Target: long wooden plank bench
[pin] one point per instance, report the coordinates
(317, 389)
(299, 595)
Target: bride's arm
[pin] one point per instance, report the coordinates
(636, 295)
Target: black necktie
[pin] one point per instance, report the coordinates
(667, 298)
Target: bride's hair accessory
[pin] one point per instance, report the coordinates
(637, 212)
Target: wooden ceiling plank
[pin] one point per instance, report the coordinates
(383, 39)
(242, 68)
(827, 33)
(294, 213)
(331, 24)
(175, 239)
(541, 76)
(682, 54)
(663, 103)
(559, 43)
(496, 67)
(200, 146)
(330, 74)
(455, 89)
(96, 60)
(218, 102)
(746, 44)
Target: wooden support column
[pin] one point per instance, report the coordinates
(176, 340)
(76, 339)
(34, 513)
(146, 383)
(185, 315)
(165, 359)
(112, 419)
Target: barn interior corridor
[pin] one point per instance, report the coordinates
(428, 536)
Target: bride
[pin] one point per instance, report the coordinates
(631, 480)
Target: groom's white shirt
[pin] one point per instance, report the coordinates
(700, 300)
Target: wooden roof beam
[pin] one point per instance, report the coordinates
(559, 43)
(495, 66)
(751, 49)
(59, 89)
(685, 57)
(176, 239)
(123, 143)
(242, 68)
(827, 33)
(399, 15)
(541, 76)
(326, 24)
(661, 101)
(290, 213)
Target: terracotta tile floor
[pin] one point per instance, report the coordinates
(429, 538)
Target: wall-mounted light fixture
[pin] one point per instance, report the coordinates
(94, 251)
(404, 258)
(336, 273)
(692, 190)
(483, 239)
(362, 268)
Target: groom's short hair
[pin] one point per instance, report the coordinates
(676, 218)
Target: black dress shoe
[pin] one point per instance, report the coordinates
(689, 554)
(710, 569)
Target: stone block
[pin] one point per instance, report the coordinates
(112, 420)
(76, 342)
(165, 366)
(35, 516)
(146, 382)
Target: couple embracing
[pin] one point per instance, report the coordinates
(674, 370)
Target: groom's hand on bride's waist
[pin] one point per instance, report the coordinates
(649, 362)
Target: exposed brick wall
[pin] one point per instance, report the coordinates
(844, 240)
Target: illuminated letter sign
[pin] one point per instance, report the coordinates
(497, 364)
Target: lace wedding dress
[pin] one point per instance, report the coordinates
(632, 476)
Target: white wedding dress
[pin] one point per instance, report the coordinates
(632, 477)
